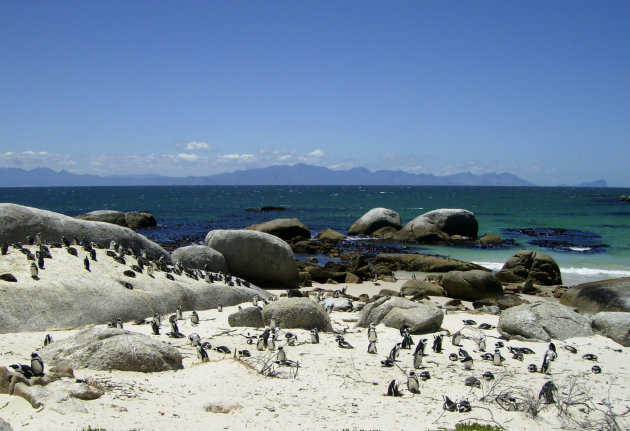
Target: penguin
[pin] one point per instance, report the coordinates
(552, 347)
(485, 326)
(464, 406)
(202, 354)
(341, 342)
(589, 357)
(449, 405)
(570, 349)
(469, 322)
(467, 361)
(487, 356)
(412, 383)
(291, 338)
(73, 251)
(223, 349)
(387, 362)
(281, 356)
(457, 339)
(260, 345)
(417, 360)
(23, 369)
(244, 353)
(372, 347)
(93, 255)
(498, 344)
(518, 355)
(404, 329)
(86, 263)
(40, 259)
(472, 382)
(38, 239)
(547, 391)
(156, 319)
(194, 318)
(179, 313)
(372, 333)
(170, 277)
(271, 343)
(220, 308)
(48, 340)
(496, 358)
(194, 339)
(255, 301)
(425, 375)
(407, 341)
(544, 368)
(453, 357)
(596, 369)
(5, 249)
(422, 344)
(150, 269)
(392, 389)
(437, 343)
(174, 328)
(481, 344)
(37, 365)
(65, 241)
(393, 354)
(155, 327)
(118, 323)
(488, 376)
(314, 336)
(532, 368)
(34, 271)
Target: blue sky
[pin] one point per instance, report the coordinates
(537, 88)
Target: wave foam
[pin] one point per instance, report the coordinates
(496, 266)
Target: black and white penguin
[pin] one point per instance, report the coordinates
(34, 271)
(469, 322)
(437, 343)
(481, 343)
(73, 251)
(425, 375)
(473, 382)
(407, 341)
(281, 356)
(449, 405)
(48, 339)
(420, 347)
(372, 347)
(464, 406)
(223, 349)
(372, 333)
(341, 342)
(23, 369)
(403, 330)
(118, 323)
(202, 354)
(314, 336)
(552, 348)
(271, 342)
(488, 376)
(570, 349)
(86, 263)
(255, 301)
(194, 318)
(37, 365)
(40, 259)
(547, 391)
(532, 368)
(517, 354)
(417, 360)
(150, 269)
(195, 339)
(291, 338)
(178, 313)
(589, 357)
(596, 369)
(546, 364)
(260, 345)
(485, 326)
(467, 361)
(156, 319)
(93, 255)
(453, 357)
(457, 339)
(412, 383)
(392, 389)
(496, 358)
(220, 308)
(5, 249)
(155, 327)
(393, 354)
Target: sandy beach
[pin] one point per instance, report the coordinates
(333, 388)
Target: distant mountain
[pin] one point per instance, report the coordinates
(299, 174)
(598, 183)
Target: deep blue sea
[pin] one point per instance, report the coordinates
(586, 230)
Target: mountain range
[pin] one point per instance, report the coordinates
(299, 174)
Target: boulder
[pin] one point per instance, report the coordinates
(424, 288)
(471, 285)
(387, 232)
(375, 219)
(425, 263)
(439, 225)
(396, 311)
(285, 228)
(200, 257)
(107, 216)
(322, 274)
(330, 235)
(614, 325)
(139, 220)
(5, 426)
(525, 264)
(503, 302)
(66, 295)
(259, 257)
(338, 304)
(113, 349)
(301, 313)
(605, 295)
(542, 321)
(490, 239)
(352, 278)
(17, 222)
(250, 317)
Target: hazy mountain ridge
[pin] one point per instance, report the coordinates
(299, 174)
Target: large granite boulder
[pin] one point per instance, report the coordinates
(471, 285)
(605, 295)
(133, 220)
(259, 257)
(285, 228)
(301, 313)
(525, 264)
(322, 274)
(375, 219)
(614, 325)
(503, 302)
(200, 257)
(66, 295)
(420, 287)
(5, 426)
(439, 225)
(17, 222)
(542, 321)
(395, 311)
(113, 349)
(330, 235)
(425, 263)
(250, 317)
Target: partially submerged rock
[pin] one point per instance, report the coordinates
(285, 228)
(301, 313)
(133, 220)
(113, 349)
(375, 219)
(439, 225)
(543, 321)
(425, 263)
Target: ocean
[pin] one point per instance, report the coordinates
(586, 230)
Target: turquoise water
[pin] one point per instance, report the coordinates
(597, 245)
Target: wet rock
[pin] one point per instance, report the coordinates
(425, 263)
(285, 228)
(330, 235)
(439, 225)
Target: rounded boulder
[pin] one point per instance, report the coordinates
(301, 313)
(200, 257)
(285, 228)
(375, 219)
(471, 285)
(540, 267)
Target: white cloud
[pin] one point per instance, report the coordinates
(237, 157)
(316, 153)
(187, 157)
(199, 146)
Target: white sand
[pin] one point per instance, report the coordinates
(334, 389)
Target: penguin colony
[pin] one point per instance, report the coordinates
(269, 338)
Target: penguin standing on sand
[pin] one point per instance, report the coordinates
(393, 354)
(422, 344)
(314, 336)
(457, 339)
(417, 359)
(544, 368)
(37, 365)
(40, 259)
(282, 356)
(481, 344)
(271, 342)
(34, 271)
(372, 337)
(260, 345)
(48, 340)
(202, 354)
(155, 327)
(372, 347)
(179, 313)
(194, 318)
(437, 343)
(150, 269)
(496, 358)
(220, 308)
(86, 263)
(412, 383)
(93, 254)
(392, 389)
